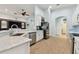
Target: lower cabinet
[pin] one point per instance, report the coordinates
(35, 36)
(39, 35)
(76, 45)
(20, 49)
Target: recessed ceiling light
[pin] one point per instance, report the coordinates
(50, 7)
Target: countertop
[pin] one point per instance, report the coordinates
(73, 32)
(8, 42)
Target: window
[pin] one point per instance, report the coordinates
(3, 24)
(23, 25)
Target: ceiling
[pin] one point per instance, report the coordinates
(10, 9)
(54, 6)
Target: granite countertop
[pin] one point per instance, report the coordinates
(8, 42)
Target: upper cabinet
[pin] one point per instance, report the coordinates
(38, 14)
(75, 17)
(38, 20)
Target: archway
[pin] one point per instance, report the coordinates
(61, 26)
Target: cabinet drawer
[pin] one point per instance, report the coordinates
(76, 50)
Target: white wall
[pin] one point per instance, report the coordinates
(39, 11)
(67, 12)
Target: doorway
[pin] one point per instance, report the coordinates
(61, 27)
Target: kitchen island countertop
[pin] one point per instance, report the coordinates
(8, 42)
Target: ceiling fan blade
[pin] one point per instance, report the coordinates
(27, 15)
(23, 13)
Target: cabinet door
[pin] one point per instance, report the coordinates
(38, 20)
(76, 46)
(39, 35)
(76, 49)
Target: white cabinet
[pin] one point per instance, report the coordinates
(37, 20)
(38, 14)
(75, 16)
(20, 49)
(76, 45)
(39, 35)
(14, 45)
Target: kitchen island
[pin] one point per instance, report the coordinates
(14, 45)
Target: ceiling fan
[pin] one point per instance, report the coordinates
(22, 12)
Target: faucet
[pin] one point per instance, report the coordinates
(12, 28)
(14, 25)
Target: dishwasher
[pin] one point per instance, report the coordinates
(32, 35)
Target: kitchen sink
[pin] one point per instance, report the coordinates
(18, 34)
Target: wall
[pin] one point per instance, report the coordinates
(39, 11)
(66, 12)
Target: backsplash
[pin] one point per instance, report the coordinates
(5, 31)
(6, 24)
